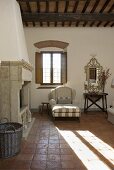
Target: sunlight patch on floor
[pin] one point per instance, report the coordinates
(89, 159)
(102, 147)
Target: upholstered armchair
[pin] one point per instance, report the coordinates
(62, 102)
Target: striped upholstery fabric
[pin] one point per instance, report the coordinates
(68, 110)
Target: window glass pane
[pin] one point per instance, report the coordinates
(46, 68)
(57, 68)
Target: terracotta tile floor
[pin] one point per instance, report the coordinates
(65, 145)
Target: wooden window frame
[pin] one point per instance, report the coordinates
(51, 52)
(63, 68)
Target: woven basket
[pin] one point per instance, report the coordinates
(10, 139)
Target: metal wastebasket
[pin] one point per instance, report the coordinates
(10, 139)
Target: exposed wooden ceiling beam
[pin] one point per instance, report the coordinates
(112, 25)
(77, 23)
(63, 24)
(99, 23)
(75, 6)
(57, 4)
(66, 6)
(47, 6)
(85, 23)
(38, 7)
(41, 24)
(104, 6)
(95, 6)
(34, 24)
(56, 10)
(106, 24)
(92, 24)
(70, 23)
(44, 0)
(86, 5)
(111, 8)
(48, 24)
(54, 17)
(28, 6)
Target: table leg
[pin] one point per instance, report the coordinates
(85, 104)
(103, 103)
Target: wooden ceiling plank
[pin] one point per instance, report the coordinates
(92, 24)
(61, 7)
(38, 7)
(57, 5)
(95, 6)
(47, 6)
(112, 24)
(75, 6)
(66, 6)
(41, 0)
(48, 24)
(55, 24)
(77, 23)
(112, 7)
(41, 24)
(55, 17)
(63, 24)
(70, 23)
(104, 6)
(56, 11)
(99, 24)
(28, 6)
(106, 23)
(85, 23)
(34, 24)
(86, 5)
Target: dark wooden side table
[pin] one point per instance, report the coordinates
(45, 105)
(94, 98)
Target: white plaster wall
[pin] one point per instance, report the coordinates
(12, 39)
(82, 43)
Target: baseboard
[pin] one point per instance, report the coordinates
(34, 110)
(91, 110)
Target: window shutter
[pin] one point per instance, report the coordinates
(38, 68)
(64, 68)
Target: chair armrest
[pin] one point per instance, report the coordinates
(52, 102)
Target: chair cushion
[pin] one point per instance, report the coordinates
(69, 110)
(64, 100)
(65, 108)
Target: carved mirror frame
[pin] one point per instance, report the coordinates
(92, 70)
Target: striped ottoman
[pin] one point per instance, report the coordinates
(66, 110)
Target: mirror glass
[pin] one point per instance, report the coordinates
(92, 70)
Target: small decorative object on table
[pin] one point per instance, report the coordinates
(103, 76)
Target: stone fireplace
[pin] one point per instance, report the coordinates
(15, 80)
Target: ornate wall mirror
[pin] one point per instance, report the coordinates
(92, 70)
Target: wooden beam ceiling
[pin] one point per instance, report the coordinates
(67, 13)
(58, 17)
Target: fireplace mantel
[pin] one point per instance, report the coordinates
(20, 70)
(13, 75)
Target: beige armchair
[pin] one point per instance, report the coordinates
(62, 101)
